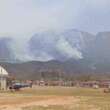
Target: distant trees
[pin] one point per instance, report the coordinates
(52, 75)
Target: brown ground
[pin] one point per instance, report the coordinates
(18, 102)
(57, 98)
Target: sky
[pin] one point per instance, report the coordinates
(22, 18)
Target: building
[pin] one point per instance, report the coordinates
(90, 84)
(3, 78)
(104, 84)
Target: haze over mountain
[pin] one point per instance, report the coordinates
(44, 30)
(61, 46)
(70, 51)
(46, 35)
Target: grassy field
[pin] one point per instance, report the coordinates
(55, 98)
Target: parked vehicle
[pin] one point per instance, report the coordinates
(18, 86)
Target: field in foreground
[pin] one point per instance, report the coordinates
(55, 98)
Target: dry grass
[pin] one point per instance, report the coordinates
(55, 98)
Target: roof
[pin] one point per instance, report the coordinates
(3, 71)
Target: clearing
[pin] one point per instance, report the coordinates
(55, 98)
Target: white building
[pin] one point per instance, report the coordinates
(3, 78)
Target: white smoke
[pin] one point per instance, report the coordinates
(20, 51)
(65, 48)
(46, 47)
(43, 56)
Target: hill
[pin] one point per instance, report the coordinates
(55, 70)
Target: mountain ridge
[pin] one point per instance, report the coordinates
(35, 70)
(72, 52)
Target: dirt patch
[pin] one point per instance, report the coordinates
(18, 103)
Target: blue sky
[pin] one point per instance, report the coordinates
(25, 17)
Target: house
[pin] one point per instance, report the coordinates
(3, 78)
(104, 84)
(90, 84)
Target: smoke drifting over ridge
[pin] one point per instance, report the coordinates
(19, 48)
(61, 46)
(66, 49)
(44, 46)
(20, 19)
(55, 45)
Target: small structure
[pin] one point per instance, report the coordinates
(3, 78)
(89, 84)
(104, 84)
